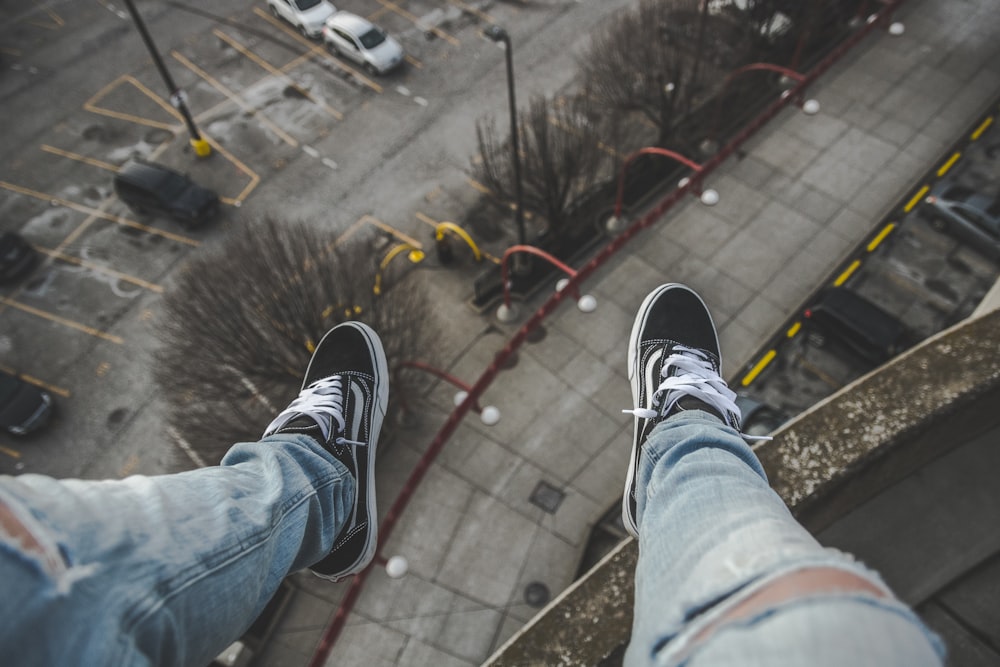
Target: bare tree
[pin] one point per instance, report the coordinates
(663, 57)
(239, 327)
(566, 148)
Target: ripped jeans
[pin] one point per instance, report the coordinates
(165, 570)
(712, 533)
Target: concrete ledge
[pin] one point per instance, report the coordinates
(824, 463)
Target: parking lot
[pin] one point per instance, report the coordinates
(283, 118)
(923, 277)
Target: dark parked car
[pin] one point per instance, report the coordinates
(966, 214)
(856, 322)
(150, 187)
(17, 257)
(23, 407)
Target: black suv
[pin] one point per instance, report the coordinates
(23, 407)
(150, 187)
(859, 324)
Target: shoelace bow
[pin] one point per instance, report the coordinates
(323, 402)
(696, 377)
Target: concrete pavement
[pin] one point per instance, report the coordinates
(806, 192)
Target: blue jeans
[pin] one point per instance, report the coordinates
(712, 533)
(162, 570)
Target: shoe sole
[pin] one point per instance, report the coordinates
(378, 414)
(635, 377)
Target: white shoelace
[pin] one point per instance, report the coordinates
(695, 377)
(323, 402)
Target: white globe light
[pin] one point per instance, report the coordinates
(587, 303)
(709, 197)
(810, 107)
(561, 284)
(505, 314)
(460, 397)
(684, 181)
(490, 415)
(897, 29)
(397, 567)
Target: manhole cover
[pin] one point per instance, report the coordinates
(547, 496)
(537, 594)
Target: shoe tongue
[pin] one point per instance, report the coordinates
(692, 403)
(301, 424)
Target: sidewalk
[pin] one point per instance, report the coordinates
(808, 190)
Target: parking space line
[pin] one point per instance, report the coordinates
(982, 128)
(482, 189)
(12, 453)
(315, 50)
(91, 106)
(239, 101)
(276, 72)
(99, 214)
(758, 367)
(79, 158)
(38, 383)
(847, 273)
(393, 231)
(949, 164)
(916, 198)
(69, 259)
(97, 333)
(391, 6)
(473, 10)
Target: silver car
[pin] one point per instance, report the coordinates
(363, 42)
(306, 15)
(966, 214)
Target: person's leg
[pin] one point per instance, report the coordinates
(725, 573)
(169, 570)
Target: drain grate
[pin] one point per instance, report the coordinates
(546, 496)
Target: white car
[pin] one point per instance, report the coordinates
(306, 15)
(363, 42)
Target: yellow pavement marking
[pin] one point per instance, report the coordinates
(102, 369)
(38, 383)
(96, 213)
(473, 10)
(949, 164)
(57, 21)
(476, 185)
(12, 453)
(97, 333)
(413, 61)
(277, 72)
(130, 465)
(91, 105)
(982, 128)
(316, 50)
(848, 272)
(240, 102)
(375, 15)
(916, 198)
(79, 158)
(874, 243)
(100, 269)
(758, 367)
(395, 232)
(417, 22)
(794, 329)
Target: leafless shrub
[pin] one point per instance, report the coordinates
(565, 149)
(239, 326)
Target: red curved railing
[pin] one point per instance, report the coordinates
(486, 379)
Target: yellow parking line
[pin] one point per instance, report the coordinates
(916, 198)
(758, 367)
(949, 164)
(316, 50)
(392, 230)
(417, 22)
(848, 272)
(69, 259)
(38, 383)
(254, 177)
(240, 102)
(793, 330)
(12, 453)
(874, 243)
(79, 158)
(61, 320)
(413, 61)
(96, 213)
(473, 10)
(982, 128)
(277, 72)
(91, 105)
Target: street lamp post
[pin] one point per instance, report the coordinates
(498, 34)
(201, 147)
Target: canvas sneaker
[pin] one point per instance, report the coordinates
(674, 363)
(341, 405)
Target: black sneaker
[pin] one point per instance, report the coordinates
(673, 364)
(342, 404)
